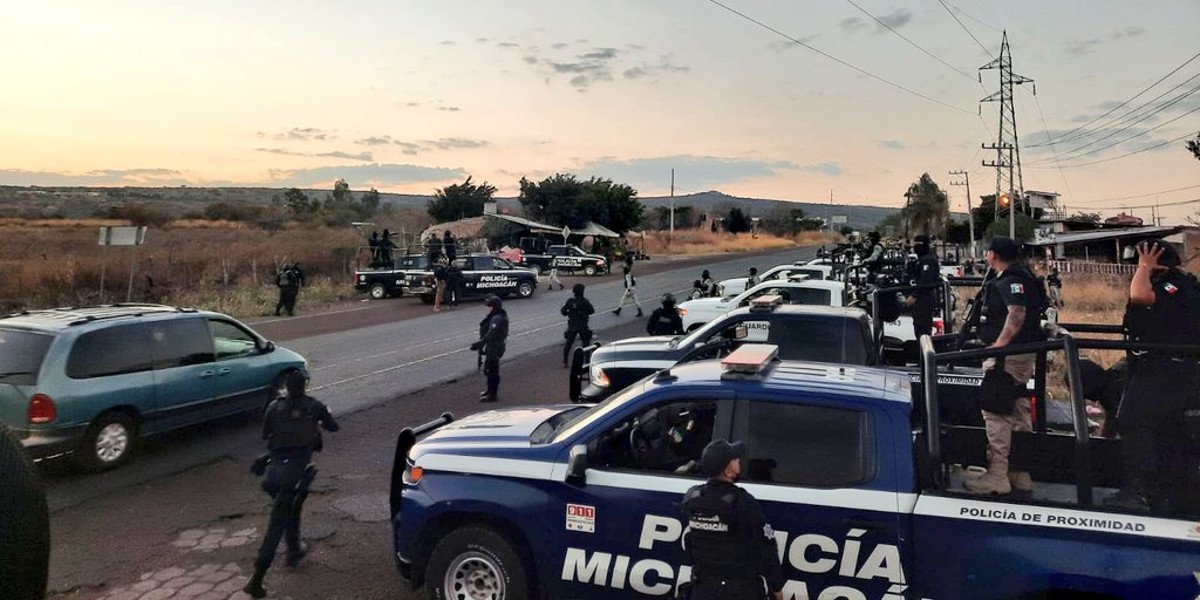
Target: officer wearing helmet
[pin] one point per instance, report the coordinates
(578, 311)
(924, 271)
(1160, 410)
(732, 547)
(493, 334)
(665, 320)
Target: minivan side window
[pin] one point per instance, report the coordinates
(231, 341)
(180, 342)
(110, 351)
(807, 445)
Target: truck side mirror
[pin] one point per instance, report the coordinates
(577, 464)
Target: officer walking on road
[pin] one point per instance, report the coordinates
(925, 271)
(493, 333)
(665, 320)
(292, 429)
(1160, 411)
(288, 280)
(732, 547)
(1011, 314)
(630, 291)
(578, 310)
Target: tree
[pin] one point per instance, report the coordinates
(613, 205)
(1025, 226)
(341, 192)
(738, 223)
(928, 208)
(564, 200)
(1194, 146)
(459, 201)
(370, 202)
(1085, 217)
(298, 202)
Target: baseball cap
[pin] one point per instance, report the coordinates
(1005, 248)
(717, 454)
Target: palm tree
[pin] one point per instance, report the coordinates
(928, 208)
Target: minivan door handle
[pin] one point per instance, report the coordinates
(206, 374)
(223, 371)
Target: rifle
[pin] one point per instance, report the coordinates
(479, 359)
(970, 328)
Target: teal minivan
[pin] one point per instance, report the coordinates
(88, 381)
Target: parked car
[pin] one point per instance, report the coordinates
(89, 381)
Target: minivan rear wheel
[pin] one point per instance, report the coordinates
(108, 442)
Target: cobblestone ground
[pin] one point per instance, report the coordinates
(210, 581)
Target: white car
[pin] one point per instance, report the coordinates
(696, 313)
(737, 285)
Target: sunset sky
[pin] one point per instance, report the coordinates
(408, 96)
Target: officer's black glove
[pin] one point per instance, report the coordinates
(476, 345)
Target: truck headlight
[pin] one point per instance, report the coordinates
(682, 312)
(598, 377)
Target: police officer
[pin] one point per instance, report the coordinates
(493, 332)
(924, 271)
(1160, 411)
(288, 280)
(578, 310)
(1011, 314)
(753, 279)
(630, 290)
(24, 524)
(874, 259)
(707, 284)
(665, 320)
(733, 549)
(292, 429)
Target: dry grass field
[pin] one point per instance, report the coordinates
(703, 241)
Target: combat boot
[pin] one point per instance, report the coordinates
(1020, 481)
(991, 482)
(617, 312)
(294, 556)
(639, 311)
(254, 588)
(487, 398)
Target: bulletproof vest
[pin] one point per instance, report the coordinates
(663, 321)
(995, 312)
(294, 423)
(501, 333)
(714, 540)
(576, 314)
(1173, 320)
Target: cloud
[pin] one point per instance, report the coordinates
(144, 176)
(408, 147)
(411, 148)
(1131, 31)
(334, 154)
(508, 45)
(559, 46)
(1077, 48)
(448, 108)
(372, 173)
(698, 171)
(785, 45)
(375, 141)
(447, 42)
(584, 69)
(891, 144)
(299, 134)
(852, 24)
(896, 19)
(455, 143)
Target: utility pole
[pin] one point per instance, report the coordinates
(970, 217)
(1008, 152)
(671, 235)
(829, 213)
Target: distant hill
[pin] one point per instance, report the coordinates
(82, 202)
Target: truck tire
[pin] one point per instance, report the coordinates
(589, 270)
(378, 292)
(537, 270)
(475, 563)
(25, 533)
(524, 289)
(108, 442)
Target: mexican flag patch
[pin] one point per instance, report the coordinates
(1171, 289)
(1017, 288)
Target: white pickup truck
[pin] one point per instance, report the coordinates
(798, 290)
(737, 285)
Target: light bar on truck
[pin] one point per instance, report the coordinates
(766, 302)
(750, 358)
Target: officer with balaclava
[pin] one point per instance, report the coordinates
(665, 320)
(292, 428)
(493, 335)
(924, 271)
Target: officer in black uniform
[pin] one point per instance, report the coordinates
(493, 332)
(924, 271)
(874, 258)
(1160, 411)
(292, 429)
(289, 288)
(732, 547)
(665, 320)
(578, 311)
(24, 524)
(1011, 314)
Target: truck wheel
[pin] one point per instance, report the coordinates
(524, 289)
(474, 563)
(107, 443)
(378, 292)
(589, 270)
(537, 270)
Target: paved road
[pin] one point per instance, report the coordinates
(185, 514)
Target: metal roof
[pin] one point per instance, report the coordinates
(592, 228)
(1080, 237)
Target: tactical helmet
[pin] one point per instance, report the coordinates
(668, 299)
(493, 302)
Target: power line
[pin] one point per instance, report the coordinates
(1147, 195)
(972, 17)
(1160, 205)
(1128, 154)
(964, 28)
(1123, 122)
(1058, 162)
(1115, 108)
(836, 59)
(910, 42)
(1134, 136)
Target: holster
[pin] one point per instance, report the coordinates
(998, 392)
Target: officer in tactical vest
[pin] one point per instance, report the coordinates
(665, 320)
(1011, 314)
(292, 428)
(732, 547)
(288, 280)
(493, 334)
(578, 311)
(1160, 411)
(874, 258)
(924, 271)
(753, 279)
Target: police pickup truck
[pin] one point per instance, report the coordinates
(565, 501)
(802, 332)
(567, 258)
(483, 275)
(381, 282)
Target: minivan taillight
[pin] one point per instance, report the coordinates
(41, 409)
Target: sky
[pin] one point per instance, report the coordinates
(408, 96)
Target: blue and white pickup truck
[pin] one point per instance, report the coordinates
(570, 501)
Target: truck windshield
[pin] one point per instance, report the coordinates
(582, 419)
(21, 354)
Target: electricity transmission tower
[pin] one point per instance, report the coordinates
(1008, 152)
